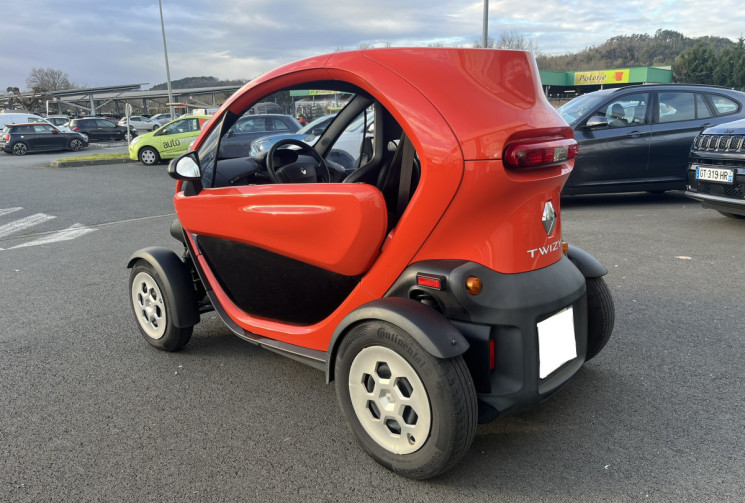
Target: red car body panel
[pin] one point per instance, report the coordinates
(338, 228)
(460, 108)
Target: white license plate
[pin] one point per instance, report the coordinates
(556, 342)
(715, 174)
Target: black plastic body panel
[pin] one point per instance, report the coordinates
(270, 285)
(429, 328)
(505, 314)
(177, 282)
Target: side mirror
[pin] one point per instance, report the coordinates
(187, 169)
(596, 121)
(55, 131)
(317, 131)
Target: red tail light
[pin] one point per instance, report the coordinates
(542, 153)
(76, 128)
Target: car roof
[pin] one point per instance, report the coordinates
(655, 85)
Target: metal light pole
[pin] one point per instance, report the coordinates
(165, 52)
(485, 34)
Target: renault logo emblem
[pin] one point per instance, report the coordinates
(549, 218)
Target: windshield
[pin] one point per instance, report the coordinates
(580, 107)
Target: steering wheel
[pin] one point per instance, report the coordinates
(321, 168)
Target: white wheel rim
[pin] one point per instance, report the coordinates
(390, 400)
(150, 310)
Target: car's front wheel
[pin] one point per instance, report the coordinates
(76, 145)
(19, 148)
(413, 413)
(86, 137)
(149, 156)
(153, 309)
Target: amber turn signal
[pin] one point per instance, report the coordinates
(473, 285)
(565, 248)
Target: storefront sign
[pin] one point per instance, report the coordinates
(601, 77)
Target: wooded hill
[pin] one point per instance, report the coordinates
(197, 82)
(701, 60)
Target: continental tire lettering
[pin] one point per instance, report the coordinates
(394, 338)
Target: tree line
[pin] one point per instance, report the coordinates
(702, 60)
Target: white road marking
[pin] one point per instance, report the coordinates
(72, 232)
(7, 211)
(23, 223)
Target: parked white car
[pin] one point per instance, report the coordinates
(163, 118)
(140, 123)
(59, 122)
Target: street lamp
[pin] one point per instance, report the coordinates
(165, 52)
(484, 36)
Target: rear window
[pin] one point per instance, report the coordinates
(724, 105)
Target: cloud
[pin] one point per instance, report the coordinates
(107, 43)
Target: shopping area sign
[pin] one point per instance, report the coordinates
(602, 77)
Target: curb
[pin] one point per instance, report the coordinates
(72, 163)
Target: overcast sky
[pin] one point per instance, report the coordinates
(110, 42)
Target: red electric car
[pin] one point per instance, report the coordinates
(428, 279)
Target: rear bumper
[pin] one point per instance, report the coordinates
(501, 326)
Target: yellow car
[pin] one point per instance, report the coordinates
(168, 141)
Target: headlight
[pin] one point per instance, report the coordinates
(136, 140)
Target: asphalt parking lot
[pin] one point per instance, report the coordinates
(90, 412)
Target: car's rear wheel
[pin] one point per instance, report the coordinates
(413, 413)
(153, 309)
(601, 315)
(76, 145)
(19, 148)
(149, 156)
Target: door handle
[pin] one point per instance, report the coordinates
(635, 134)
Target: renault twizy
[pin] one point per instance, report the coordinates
(426, 276)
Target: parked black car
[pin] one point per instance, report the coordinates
(237, 141)
(96, 128)
(19, 139)
(716, 172)
(638, 137)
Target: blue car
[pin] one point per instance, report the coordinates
(308, 133)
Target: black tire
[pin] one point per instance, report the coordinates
(431, 403)
(86, 137)
(19, 148)
(601, 315)
(153, 309)
(730, 215)
(149, 156)
(75, 145)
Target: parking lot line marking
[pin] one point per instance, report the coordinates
(72, 232)
(17, 225)
(6, 211)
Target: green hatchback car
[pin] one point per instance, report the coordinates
(168, 141)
